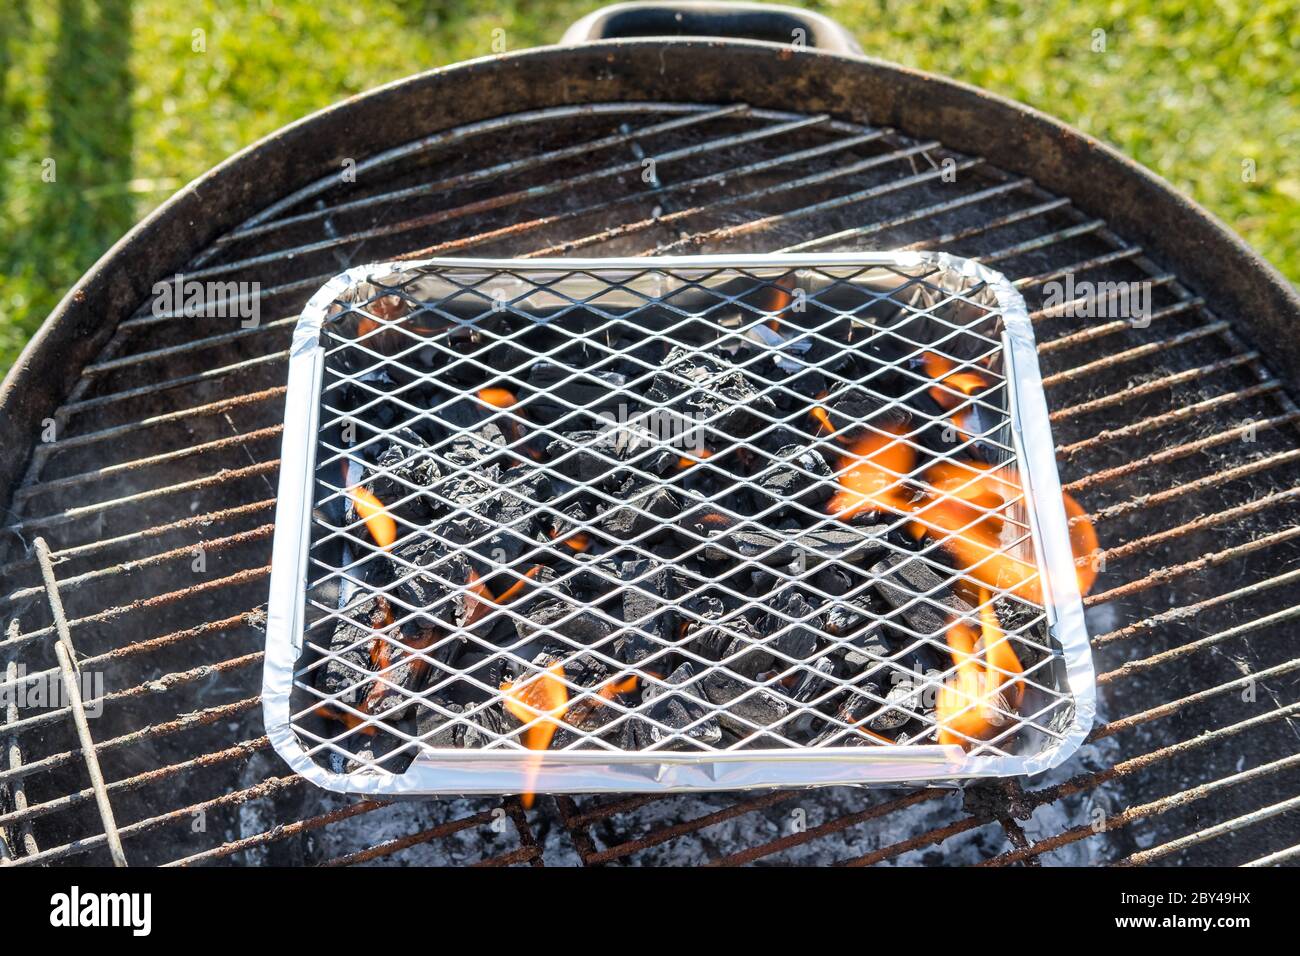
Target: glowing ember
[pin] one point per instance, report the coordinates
(380, 524)
(375, 695)
(543, 696)
(683, 462)
(870, 474)
(497, 397)
(349, 720)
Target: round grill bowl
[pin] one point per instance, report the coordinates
(123, 386)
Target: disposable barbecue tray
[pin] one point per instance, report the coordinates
(671, 524)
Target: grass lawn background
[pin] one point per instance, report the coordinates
(113, 92)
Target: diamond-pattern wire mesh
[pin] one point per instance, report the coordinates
(558, 510)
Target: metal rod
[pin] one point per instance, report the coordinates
(1200, 374)
(1180, 492)
(14, 761)
(1187, 611)
(1173, 572)
(1133, 354)
(1178, 452)
(1129, 668)
(1173, 416)
(1235, 825)
(72, 684)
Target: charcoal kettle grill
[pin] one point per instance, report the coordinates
(143, 443)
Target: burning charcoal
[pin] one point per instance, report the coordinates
(402, 471)
(552, 614)
(800, 475)
(853, 406)
(863, 653)
(842, 542)
(908, 695)
(744, 707)
(853, 709)
(442, 585)
(515, 506)
(584, 456)
(484, 672)
(844, 618)
(466, 490)
(747, 654)
(648, 593)
(567, 522)
(902, 579)
(701, 386)
(812, 682)
(794, 621)
(436, 730)
(833, 580)
(708, 637)
(558, 388)
(632, 734)
(472, 436)
(405, 673)
(677, 711)
(353, 643)
(646, 507)
(591, 712)
(485, 725)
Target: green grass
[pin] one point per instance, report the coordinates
(115, 94)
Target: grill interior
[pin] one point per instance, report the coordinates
(1173, 436)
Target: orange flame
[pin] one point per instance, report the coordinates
(966, 517)
(510, 593)
(940, 368)
(615, 687)
(780, 300)
(823, 419)
(971, 705)
(543, 696)
(382, 528)
(1083, 542)
(481, 599)
(578, 541)
(869, 476)
(999, 656)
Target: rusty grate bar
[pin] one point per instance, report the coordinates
(14, 763)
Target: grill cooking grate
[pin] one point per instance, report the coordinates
(1174, 436)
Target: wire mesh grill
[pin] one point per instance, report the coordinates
(573, 524)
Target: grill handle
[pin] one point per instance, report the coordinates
(752, 21)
